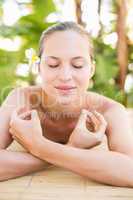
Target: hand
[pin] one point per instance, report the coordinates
(25, 128)
(81, 136)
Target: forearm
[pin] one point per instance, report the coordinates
(15, 164)
(106, 167)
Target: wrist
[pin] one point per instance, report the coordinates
(39, 142)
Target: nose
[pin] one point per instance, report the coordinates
(65, 73)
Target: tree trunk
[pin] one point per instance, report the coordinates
(79, 12)
(99, 6)
(100, 23)
(122, 46)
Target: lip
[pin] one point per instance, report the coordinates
(65, 87)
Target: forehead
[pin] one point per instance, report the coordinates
(66, 43)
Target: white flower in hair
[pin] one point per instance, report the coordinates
(31, 56)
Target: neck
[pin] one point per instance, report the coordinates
(57, 111)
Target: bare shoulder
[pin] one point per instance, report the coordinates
(23, 97)
(113, 112)
(119, 130)
(101, 103)
(12, 100)
(18, 97)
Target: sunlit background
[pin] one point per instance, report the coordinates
(17, 15)
(12, 11)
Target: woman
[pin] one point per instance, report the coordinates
(60, 122)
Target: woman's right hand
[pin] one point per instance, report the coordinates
(89, 131)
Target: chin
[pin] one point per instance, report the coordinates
(66, 100)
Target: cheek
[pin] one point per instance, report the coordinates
(84, 82)
(47, 76)
(83, 78)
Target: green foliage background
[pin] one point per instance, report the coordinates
(29, 29)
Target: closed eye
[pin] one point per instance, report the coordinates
(75, 66)
(53, 66)
(78, 66)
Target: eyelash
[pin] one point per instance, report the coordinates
(78, 67)
(54, 66)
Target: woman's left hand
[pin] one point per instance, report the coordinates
(26, 131)
(82, 136)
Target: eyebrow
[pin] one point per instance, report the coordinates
(76, 57)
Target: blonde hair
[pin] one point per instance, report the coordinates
(64, 26)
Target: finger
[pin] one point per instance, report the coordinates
(100, 117)
(25, 115)
(17, 118)
(15, 137)
(21, 110)
(18, 112)
(17, 140)
(88, 119)
(12, 132)
(95, 122)
(14, 116)
(82, 119)
(13, 120)
(103, 123)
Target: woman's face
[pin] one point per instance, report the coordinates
(65, 66)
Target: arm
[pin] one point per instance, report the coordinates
(20, 163)
(15, 164)
(106, 167)
(119, 132)
(111, 168)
